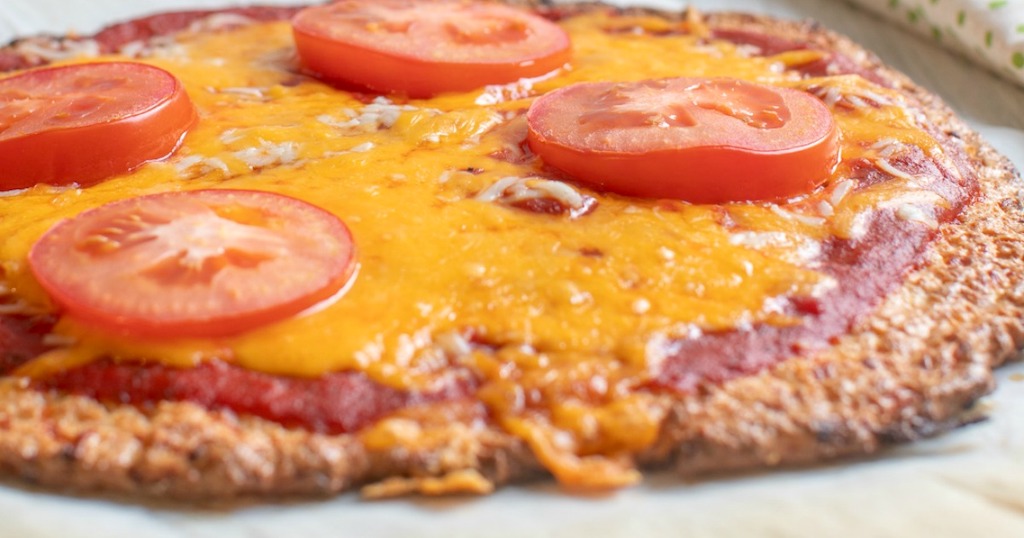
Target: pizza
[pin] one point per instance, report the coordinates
(437, 247)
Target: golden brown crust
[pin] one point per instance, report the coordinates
(180, 450)
(909, 370)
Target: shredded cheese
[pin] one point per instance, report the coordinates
(515, 190)
(595, 298)
(64, 49)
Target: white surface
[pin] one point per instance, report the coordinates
(969, 483)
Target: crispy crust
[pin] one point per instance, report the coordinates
(912, 369)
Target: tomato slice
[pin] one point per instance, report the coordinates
(693, 139)
(201, 263)
(422, 48)
(84, 123)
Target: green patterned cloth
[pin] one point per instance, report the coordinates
(991, 31)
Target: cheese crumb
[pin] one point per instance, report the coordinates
(378, 115)
(641, 306)
(269, 154)
(913, 213)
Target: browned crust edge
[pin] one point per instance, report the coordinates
(908, 371)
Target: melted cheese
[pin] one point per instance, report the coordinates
(560, 300)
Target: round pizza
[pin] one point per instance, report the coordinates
(438, 246)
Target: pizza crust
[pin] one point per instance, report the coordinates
(912, 369)
(180, 450)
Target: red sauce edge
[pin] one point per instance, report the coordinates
(335, 403)
(866, 270)
(343, 402)
(833, 63)
(114, 37)
(21, 339)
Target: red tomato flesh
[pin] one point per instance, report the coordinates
(698, 140)
(425, 48)
(84, 123)
(194, 264)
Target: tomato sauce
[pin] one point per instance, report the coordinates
(22, 339)
(335, 403)
(866, 270)
(833, 63)
(114, 37)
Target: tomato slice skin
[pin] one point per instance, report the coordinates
(206, 263)
(425, 48)
(704, 141)
(84, 123)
